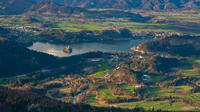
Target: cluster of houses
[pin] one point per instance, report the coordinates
(111, 59)
(166, 34)
(137, 49)
(114, 58)
(27, 28)
(146, 79)
(155, 34)
(143, 34)
(150, 34)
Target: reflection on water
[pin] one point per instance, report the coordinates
(80, 48)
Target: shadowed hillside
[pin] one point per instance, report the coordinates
(15, 59)
(14, 6)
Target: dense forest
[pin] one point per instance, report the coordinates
(174, 45)
(13, 60)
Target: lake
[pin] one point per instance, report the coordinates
(80, 48)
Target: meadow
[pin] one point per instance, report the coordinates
(160, 22)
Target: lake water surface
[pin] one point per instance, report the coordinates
(80, 48)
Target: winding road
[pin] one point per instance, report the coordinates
(83, 92)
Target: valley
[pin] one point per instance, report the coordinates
(100, 56)
(165, 80)
(162, 22)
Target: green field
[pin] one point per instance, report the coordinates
(169, 22)
(99, 74)
(127, 88)
(190, 71)
(157, 105)
(106, 94)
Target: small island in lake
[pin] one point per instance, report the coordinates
(67, 49)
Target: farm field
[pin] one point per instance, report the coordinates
(160, 22)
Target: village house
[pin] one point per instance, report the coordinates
(136, 86)
(146, 78)
(95, 59)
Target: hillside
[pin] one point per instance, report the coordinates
(180, 46)
(23, 101)
(16, 59)
(27, 6)
(133, 4)
(50, 8)
(14, 6)
(165, 77)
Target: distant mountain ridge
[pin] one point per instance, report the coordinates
(21, 6)
(47, 7)
(14, 6)
(43, 7)
(132, 4)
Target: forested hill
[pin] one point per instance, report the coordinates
(14, 6)
(28, 6)
(132, 4)
(49, 8)
(16, 59)
(70, 6)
